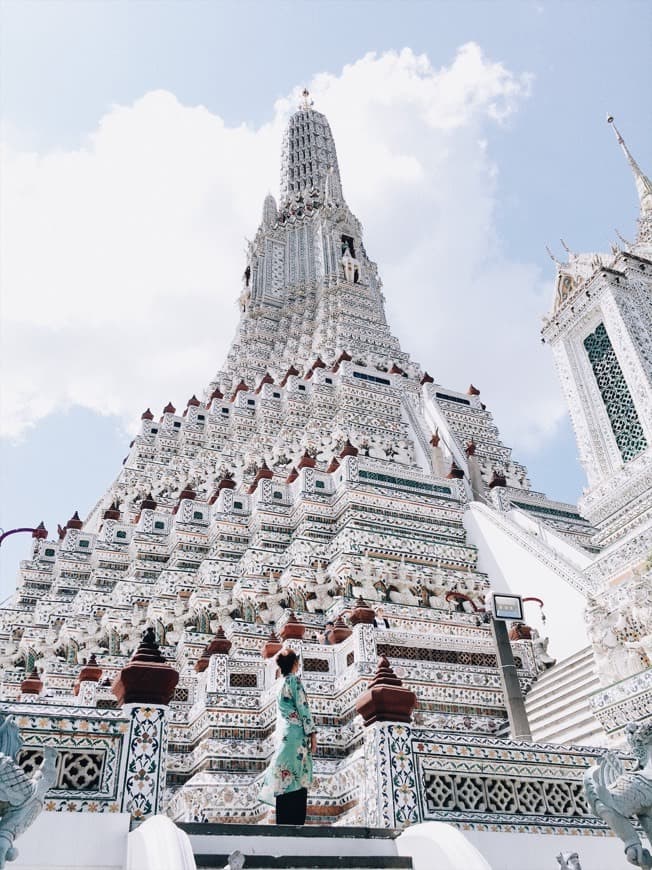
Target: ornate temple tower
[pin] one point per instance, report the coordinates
(600, 333)
(308, 280)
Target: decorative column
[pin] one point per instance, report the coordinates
(85, 688)
(144, 688)
(389, 789)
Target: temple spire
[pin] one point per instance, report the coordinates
(643, 183)
(308, 155)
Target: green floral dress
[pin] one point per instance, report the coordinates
(291, 765)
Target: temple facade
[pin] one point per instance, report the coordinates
(325, 490)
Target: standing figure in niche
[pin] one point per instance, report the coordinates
(290, 771)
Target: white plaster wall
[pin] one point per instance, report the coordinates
(74, 841)
(513, 568)
(580, 558)
(511, 851)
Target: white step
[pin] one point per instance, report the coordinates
(286, 847)
(558, 704)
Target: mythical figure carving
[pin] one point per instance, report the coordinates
(21, 798)
(542, 657)
(616, 795)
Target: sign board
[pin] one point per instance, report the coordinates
(507, 606)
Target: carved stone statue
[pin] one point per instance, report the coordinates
(569, 861)
(21, 798)
(542, 657)
(616, 795)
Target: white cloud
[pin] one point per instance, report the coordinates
(121, 261)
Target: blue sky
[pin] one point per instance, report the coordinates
(552, 170)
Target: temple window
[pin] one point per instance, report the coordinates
(347, 242)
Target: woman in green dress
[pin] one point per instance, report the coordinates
(290, 771)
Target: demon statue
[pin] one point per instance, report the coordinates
(616, 794)
(21, 798)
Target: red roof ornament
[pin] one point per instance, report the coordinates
(292, 476)
(147, 679)
(386, 699)
(193, 401)
(242, 386)
(263, 473)
(216, 394)
(220, 645)
(306, 461)
(498, 479)
(272, 646)
(396, 370)
(456, 472)
(427, 379)
(348, 450)
(169, 409)
(90, 673)
(339, 632)
(32, 685)
(434, 441)
(362, 613)
(472, 391)
(470, 448)
(40, 533)
(74, 522)
(147, 415)
(266, 379)
(148, 503)
(291, 371)
(333, 465)
(293, 629)
(112, 512)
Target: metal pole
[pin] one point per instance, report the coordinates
(518, 722)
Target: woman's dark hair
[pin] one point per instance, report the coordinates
(285, 661)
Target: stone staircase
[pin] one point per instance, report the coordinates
(311, 847)
(558, 705)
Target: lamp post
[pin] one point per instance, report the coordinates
(39, 533)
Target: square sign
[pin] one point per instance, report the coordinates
(507, 607)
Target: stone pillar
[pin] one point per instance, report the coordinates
(389, 792)
(144, 688)
(144, 775)
(364, 644)
(389, 788)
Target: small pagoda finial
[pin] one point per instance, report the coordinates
(306, 102)
(643, 183)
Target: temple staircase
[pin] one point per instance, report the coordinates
(311, 847)
(558, 704)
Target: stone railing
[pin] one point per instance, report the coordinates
(415, 775)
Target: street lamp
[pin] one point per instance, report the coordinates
(40, 533)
